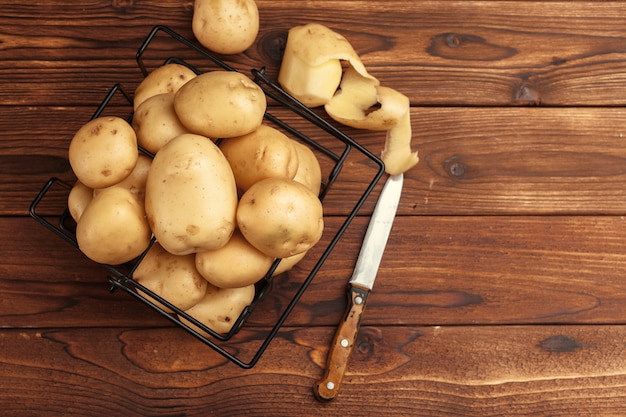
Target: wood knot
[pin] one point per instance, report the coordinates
(527, 93)
(455, 167)
(271, 46)
(560, 344)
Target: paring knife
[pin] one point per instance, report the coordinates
(360, 286)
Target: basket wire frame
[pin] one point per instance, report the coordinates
(120, 276)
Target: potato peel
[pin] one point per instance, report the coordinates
(311, 71)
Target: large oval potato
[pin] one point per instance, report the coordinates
(220, 104)
(156, 122)
(113, 229)
(172, 277)
(220, 308)
(225, 26)
(263, 153)
(280, 217)
(103, 151)
(191, 196)
(237, 264)
(167, 78)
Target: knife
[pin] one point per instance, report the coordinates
(359, 287)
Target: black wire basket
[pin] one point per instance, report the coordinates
(336, 148)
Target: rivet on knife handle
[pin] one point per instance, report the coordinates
(327, 388)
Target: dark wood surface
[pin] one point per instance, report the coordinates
(501, 293)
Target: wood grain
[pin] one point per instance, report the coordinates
(416, 371)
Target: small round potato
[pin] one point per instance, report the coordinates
(113, 228)
(263, 153)
(225, 26)
(136, 180)
(220, 104)
(79, 198)
(103, 151)
(280, 217)
(156, 122)
(220, 308)
(167, 78)
(309, 171)
(172, 277)
(287, 263)
(237, 264)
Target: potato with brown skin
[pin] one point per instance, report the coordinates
(280, 217)
(103, 151)
(191, 196)
(113, 229)
(78, 199)
(225, 26)
(220, 104)
(220, 308)
(167, 78)
(156, 123)
(237, 264)
(172, 277)
(135, 182)
(309, 171)
(263, 153)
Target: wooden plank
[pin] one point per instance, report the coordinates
(416, 371)
(437, 271)
(466, 53)
(473, 161)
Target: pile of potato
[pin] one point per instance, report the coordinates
(224, 195)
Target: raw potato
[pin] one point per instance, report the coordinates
(113, 229)
(103, 151)
(220, 308)
(191, 196)
(287, 263)
(263, 153)
(79, 198)
(135, 182)
(167, 78)
(172, 277)
(311, 68)
(156, 122)
(280, 217)
(309, 172)
(220, 104)
(237, 264)
(225, 26)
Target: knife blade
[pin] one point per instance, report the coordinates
(359, 287)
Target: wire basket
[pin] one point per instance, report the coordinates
(327, 141)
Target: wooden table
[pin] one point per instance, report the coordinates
(503, 287)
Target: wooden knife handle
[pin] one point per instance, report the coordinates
(327, 388)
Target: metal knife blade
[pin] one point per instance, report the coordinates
(359, 287)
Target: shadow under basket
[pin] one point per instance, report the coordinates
(330, 144)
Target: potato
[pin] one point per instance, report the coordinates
(220, 308)
(136, 180)
(287, 263)
(103, 151)
(309, 172)
(79, 198)
(171, 277)
(220, 104)
(280, 217)
(237, 264)
(156, 123)
(113, 229)
(167, 78)
(191, 196)
(263, 153)
(225, 26)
